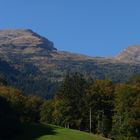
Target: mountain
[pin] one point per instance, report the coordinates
(131, 54)
(24, 41)
(35, 66)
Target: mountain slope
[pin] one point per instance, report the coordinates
(23, 41)
(41, 67)
(131, 54)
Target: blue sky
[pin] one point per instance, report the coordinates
(91, 27)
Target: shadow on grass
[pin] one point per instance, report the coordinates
(34, 131)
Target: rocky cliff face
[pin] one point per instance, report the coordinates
(131, 54)
(24, 41)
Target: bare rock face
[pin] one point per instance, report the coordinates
(131, 54)
(23, 41)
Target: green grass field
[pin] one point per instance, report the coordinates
(50, 132)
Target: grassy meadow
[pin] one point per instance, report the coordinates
(51, 132)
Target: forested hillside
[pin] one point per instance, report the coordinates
(96, 106)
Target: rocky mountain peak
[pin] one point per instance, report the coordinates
(24, 40)
(130, 54)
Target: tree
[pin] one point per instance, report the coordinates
(69, 102)
(32, 108)
(135, 118)
(16, 100)
(100, 97)
(27, 107)
(46, 112)
(126, 123)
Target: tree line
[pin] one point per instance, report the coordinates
(96, 106)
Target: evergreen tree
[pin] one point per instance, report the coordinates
(69, 102)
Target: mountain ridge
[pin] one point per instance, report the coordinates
(24, 40)
(42, 67)
(28, 41)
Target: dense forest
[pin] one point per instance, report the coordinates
(96, 106)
